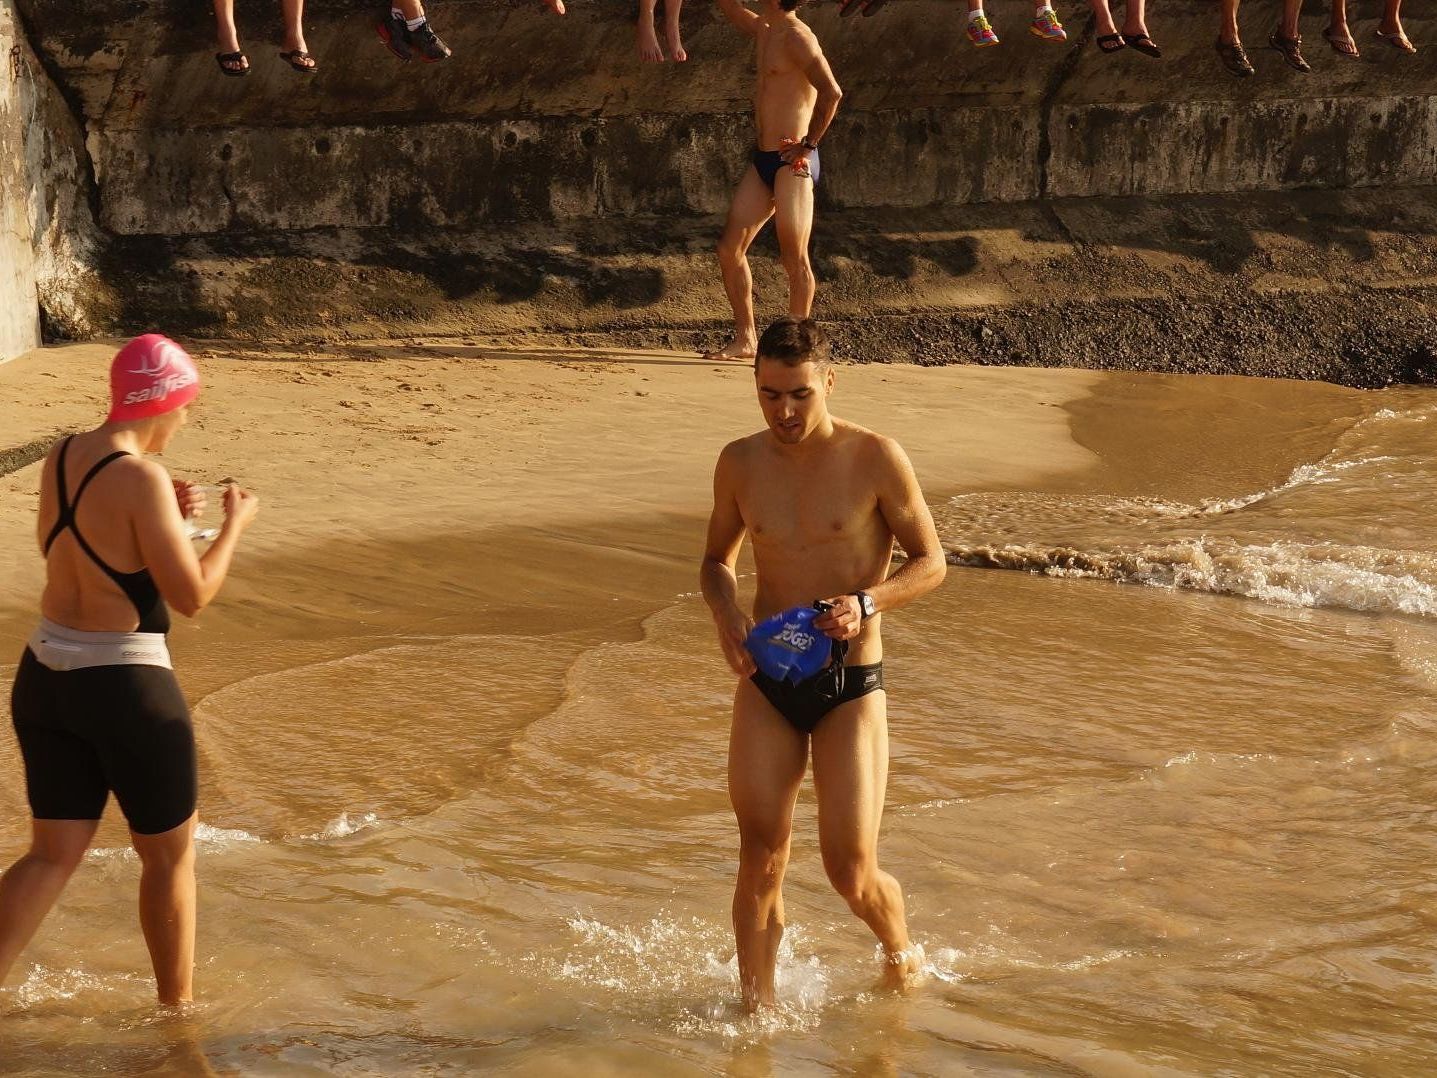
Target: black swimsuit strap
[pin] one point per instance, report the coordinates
(66, 519)
(116, 455)
(62, 520)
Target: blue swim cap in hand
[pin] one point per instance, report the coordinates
(788, 646)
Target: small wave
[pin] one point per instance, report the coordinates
(342, 826)
(1283, 573)
(1194, 758)
(995, 509)
(206, 838)
(1304, 475)
(221, 837)
(987, 959)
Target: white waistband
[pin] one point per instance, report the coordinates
(61, 648)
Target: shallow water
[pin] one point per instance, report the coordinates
(1161, 802)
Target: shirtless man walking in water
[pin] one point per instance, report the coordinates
(794, 102)
(823, 501)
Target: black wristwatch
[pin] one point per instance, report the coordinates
(806, 144)
(865, 604)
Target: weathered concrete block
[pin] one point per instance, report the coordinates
(49, 243)
(19, 307)
(538, 118)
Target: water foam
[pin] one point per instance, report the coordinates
(43, 985)
(207, 838)
(668, 962)
(990, 958)
(1328, 470)
(342, 826)
(1285, 573)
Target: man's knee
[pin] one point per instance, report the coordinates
(796, 263)
(731, 249)
(852, 874)
(763, 859)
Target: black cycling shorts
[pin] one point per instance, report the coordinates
(86, 732)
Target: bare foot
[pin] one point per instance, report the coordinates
(676, 44)
(736, 351)
(903, 970)
(649, 49)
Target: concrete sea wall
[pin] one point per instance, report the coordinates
(19, 304)
(540, 118)
(543, 180)
(51, 249)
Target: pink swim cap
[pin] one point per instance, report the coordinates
(150, 376)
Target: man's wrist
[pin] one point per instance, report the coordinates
(866, 606)
(808, 142)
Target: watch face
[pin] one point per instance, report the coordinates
(866, 602)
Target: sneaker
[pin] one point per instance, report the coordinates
(1234, 58)
(1047, 26)
(1291, 49)
(980, 32)
(431, 48)
(394, 33)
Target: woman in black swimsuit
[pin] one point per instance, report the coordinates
(95, 705)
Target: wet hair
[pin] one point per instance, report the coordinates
(792, 341)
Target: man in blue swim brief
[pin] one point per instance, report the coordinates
(823, 501)
(796, 100)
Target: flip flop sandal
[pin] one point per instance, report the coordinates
(223, 58)
(296, 58)
(871, 7)
(848, 7)
(1144, 44)
(1110, 42)
(1398, 41)
(1343, 46)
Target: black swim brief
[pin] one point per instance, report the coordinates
(86, 732)
(804, 705)
(768, 162)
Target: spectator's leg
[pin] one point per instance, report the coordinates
(1391, 17)
(1103, 25)
(1135, 18)
(648, 37)
(294, 31)
(1338, 33)
(671, 30)
(1227, 32)
(1290, 10)
(1337, 25)
(226, 35)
